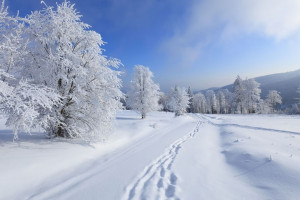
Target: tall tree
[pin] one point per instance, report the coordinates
(66, 56)
(25, 105)
(144, 94)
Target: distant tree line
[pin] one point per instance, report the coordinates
(244, 99)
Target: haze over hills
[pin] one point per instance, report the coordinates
(285, 83)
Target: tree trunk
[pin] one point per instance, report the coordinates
(60, 131)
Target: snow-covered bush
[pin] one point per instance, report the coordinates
(144, 94)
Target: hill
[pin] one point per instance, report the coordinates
(285, 83)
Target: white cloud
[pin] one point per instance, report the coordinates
(210, 20)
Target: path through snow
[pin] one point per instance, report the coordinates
(162, 157)
(158, 181)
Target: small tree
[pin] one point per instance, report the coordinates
(273, 99)
(144, 94)
(178, 100)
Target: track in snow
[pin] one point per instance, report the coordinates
(158, 181)
(248, 127)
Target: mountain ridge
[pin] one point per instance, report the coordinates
(285, 83)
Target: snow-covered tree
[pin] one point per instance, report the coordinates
(12, 44)
(24, 104)
(199, 103)
(229, 101)
(298, 92)
(178, 100)
(263, 107)
(221, 102)
(239, 94)
(273, 99)
(252, 95)
(211, 101)
(66, 56)
(163, 101)
(144, 94)
(191, 96)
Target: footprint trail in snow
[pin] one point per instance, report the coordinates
(158, 181)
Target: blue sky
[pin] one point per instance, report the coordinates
(197, 43)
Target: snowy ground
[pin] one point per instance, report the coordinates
(162, 157)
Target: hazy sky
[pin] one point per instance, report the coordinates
(201, 43)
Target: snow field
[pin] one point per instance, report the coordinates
(161, 157)
(158, 181)
(242, 162)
